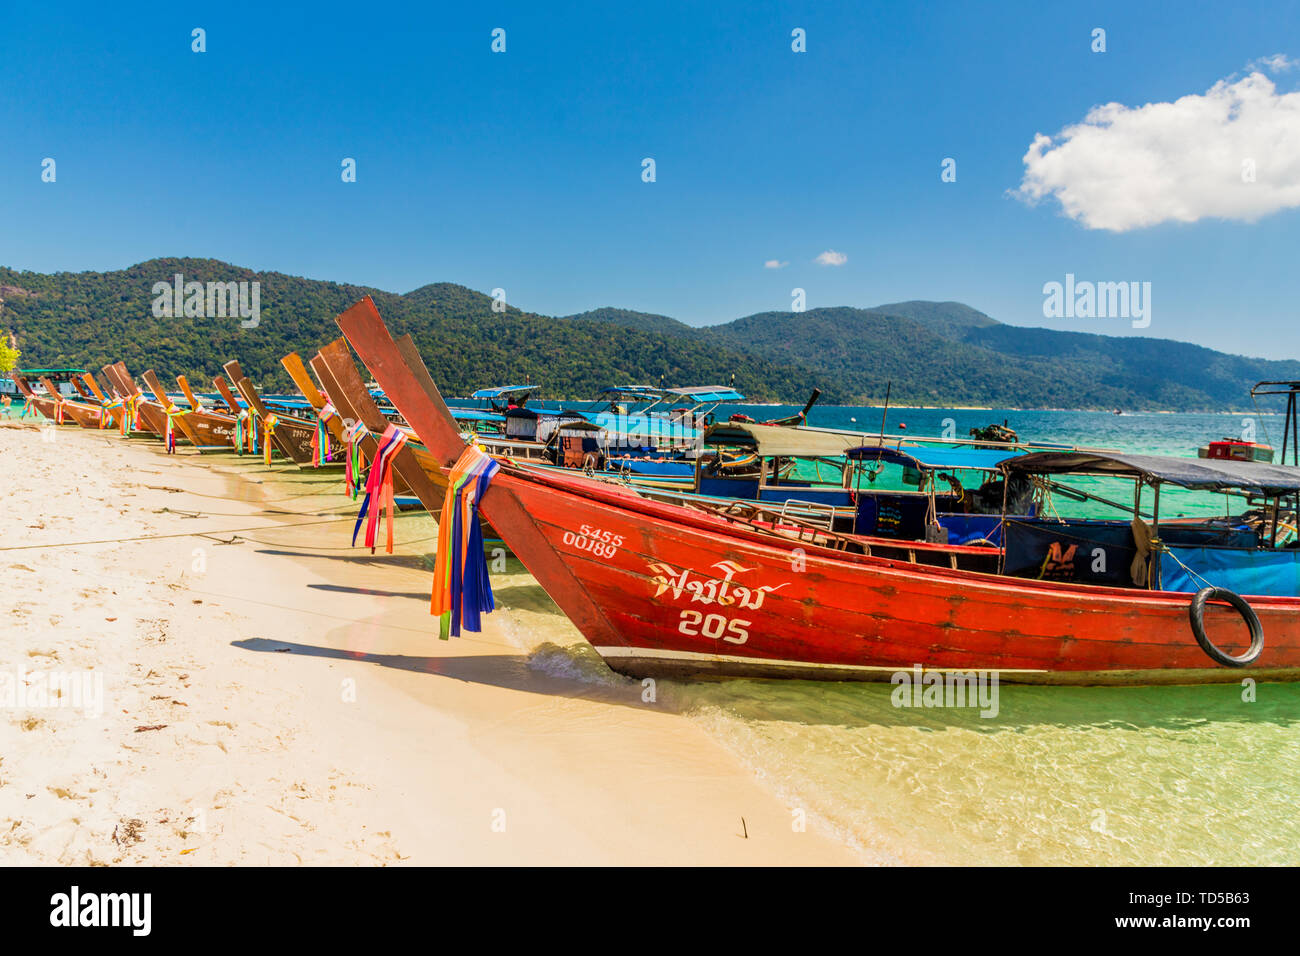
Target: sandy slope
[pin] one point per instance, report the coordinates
(273, 696)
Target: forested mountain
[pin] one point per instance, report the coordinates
(87, 319)
(937, 353)
(644, 321)
(950, 354)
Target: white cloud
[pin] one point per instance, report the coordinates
(1127, 168)
(1277, 63)
(831, 258)
(775, 264)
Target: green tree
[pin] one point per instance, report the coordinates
(8, 354)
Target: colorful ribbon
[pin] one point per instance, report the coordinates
(379, 488)
(354, 462)
(245, 432)
(172, 412)
(268, 429)
(106, 411)
(461, 589)
(127, 424)
(320, 442)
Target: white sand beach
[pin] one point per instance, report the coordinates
(271, 695)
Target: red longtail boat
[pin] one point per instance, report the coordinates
(661, 589)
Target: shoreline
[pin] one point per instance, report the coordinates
(276, 696)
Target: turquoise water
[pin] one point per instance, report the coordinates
(1152, 432)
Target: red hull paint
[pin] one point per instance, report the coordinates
(661, 589)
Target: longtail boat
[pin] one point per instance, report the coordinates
(329, 422)
(78, 409)
(216, 430)
(89, 411)
(662, 589)
(47, 405)
(115, 408)
(70, 409)
(127, 402)
(176, 417)
(347, 422)
(223, 389)
(413, 464)
(150, 416)
(291, 435)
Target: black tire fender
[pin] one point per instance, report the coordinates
(1197, 613)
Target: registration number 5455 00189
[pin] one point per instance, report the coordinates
(603, 544)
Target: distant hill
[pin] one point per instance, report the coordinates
(88, 319)
(947, 318)
(947, 353)
(934, 353)
(644, 321)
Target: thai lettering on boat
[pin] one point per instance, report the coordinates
(711, 590)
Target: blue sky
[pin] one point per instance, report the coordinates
(522, 170)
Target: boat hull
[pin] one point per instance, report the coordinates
(671, 594)
(214, 431)
(87, 416)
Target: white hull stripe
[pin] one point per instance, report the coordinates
(655, 653)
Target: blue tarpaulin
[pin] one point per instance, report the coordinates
(927, 458)
(1259, 572)
(503, 390)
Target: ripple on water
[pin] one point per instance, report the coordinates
(1077, 776)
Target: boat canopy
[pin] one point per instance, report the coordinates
(503, 391)
(783, 441)
(707, 393)
(475, 415)
(644, 392)
(928, 458)
(696, 393)
(1201, 474)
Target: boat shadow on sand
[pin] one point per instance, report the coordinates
(577, 671)
(509, 671)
